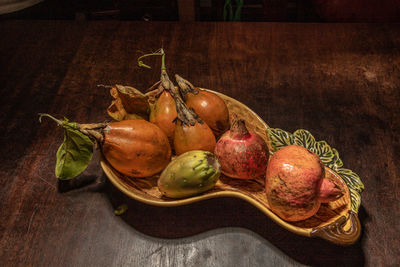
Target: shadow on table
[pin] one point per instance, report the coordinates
(185, 221)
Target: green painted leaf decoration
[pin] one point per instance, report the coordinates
(354, 184)
(328, 155)
(74, 154)
(279, 138)
(303, 138)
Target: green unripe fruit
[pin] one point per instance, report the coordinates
(189, 174)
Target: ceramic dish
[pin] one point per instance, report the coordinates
(336, 221)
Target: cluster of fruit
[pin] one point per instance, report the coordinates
(194, 125)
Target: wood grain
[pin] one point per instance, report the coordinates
(339, 81)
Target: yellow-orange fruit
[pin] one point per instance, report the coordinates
(211, 109)
(196, 137)
(163, 114)
(136, 148)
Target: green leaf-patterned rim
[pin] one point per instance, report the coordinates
(328, 155)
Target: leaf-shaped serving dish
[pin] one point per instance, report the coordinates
(336, 221)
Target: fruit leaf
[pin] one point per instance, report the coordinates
(74, 154)
(116, 110)
(133, 101)
(114, 92)
(118, 113)
(128, 104)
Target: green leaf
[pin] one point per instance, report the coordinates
(74, 154)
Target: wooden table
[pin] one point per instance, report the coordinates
(339, 81)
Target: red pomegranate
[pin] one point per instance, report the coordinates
(296, 185)
(242, 154)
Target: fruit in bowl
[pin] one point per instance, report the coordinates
(189, 174)
(241, 153)
(296, 185)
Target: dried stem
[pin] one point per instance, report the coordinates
(93, 130)
(185, 86)
(97, 134)
(154, 86)
(186, 115)
(165, 81)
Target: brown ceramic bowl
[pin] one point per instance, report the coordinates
(336, 221)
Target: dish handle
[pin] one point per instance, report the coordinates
(344, 231)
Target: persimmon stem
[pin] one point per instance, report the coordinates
(94, 130)
(163, 60)
(160, 53)
(41, 115)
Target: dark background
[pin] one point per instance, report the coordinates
(212, 10)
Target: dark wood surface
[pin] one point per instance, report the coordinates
(339, 81)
